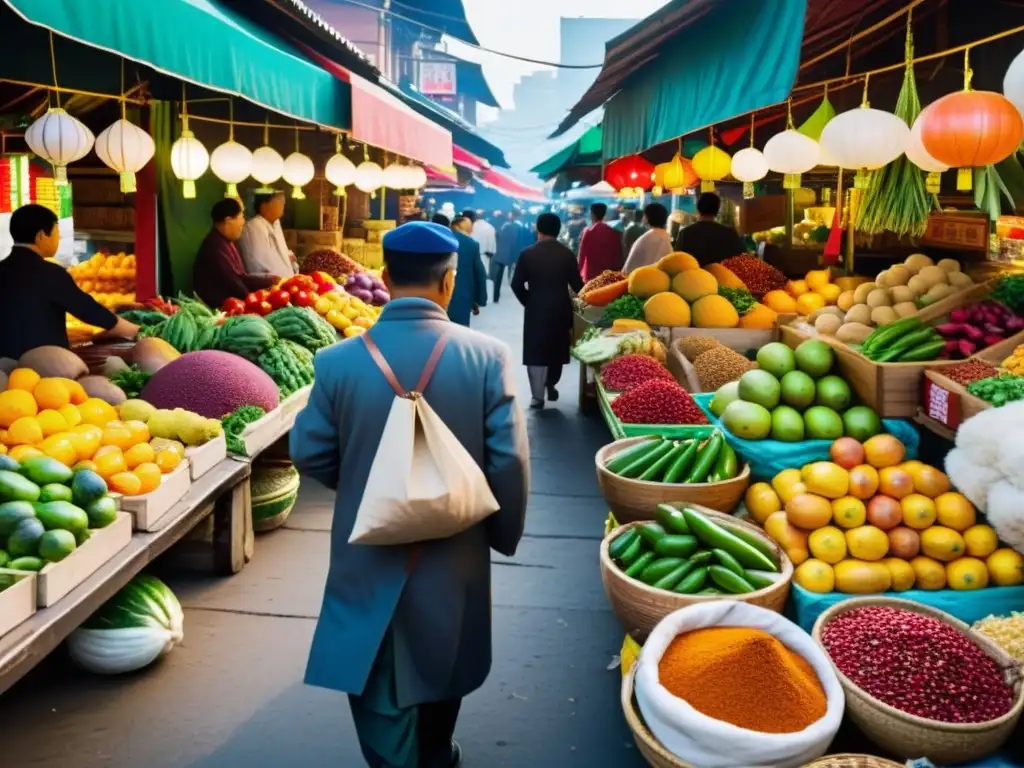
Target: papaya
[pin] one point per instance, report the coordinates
(725, 276)
(602, 297)
(677, 262)
(759, 317)
(667, 309)
(714, 312)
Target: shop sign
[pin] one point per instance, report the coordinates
(952, 230)
(437, 78)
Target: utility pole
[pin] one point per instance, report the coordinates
(384, 40)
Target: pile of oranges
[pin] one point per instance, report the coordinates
(55, 417)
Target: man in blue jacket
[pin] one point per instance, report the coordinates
(512, 239)
(406, 630)
(471, 278)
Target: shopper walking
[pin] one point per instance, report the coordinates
(543, 278)
(653, 244)
(633, 231)
(485, 234)
(405, 630)
(511, 239)
(600, 246)
(470, 291)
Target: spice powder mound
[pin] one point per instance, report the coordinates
(719, 366)
(745, 677)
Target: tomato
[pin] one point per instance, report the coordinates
(262, 294)
(279, 299)
(252, 304)
(304, 299)
(233, 306)
(265, 308)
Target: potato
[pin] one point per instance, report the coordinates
(853, 333)
(905, 309)
(960, 280)
(940, 291)
(918, 286)
(859, 313)
(900, 294)
(879, 298)
(882, 279)
(836, 311)
(845, 300)
(916, 262)
(884, 315)
(860, 293)
(827, 324)
(898, 275)
(950, 265)
(933, 275)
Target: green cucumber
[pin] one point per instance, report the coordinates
(887, 334)
(704, 557)
(640, 465)
(706, 459)
(756, 540)
(650, 532)
(930, 350)
(729, 581)
(693, 582)
(707, 591)
(622, 543)
(671, 519)
(656, 471)
(623, 459)
(676, 546)
(726, 466)
(639, 564)
(683, 462)
(659, 569)
(714, 535)
(728, 561)
(905, 344)
(669, 582)
(635, 550)
(762, 579)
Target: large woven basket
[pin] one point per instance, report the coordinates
(636, 500)
(853, 761)
(640, 607)
(909, 736)
(651, 749)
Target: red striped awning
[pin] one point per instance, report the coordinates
(511, 187)
(468, 160)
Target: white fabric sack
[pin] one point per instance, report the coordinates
(423, 484)
(708, 743)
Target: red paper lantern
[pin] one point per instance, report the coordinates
(631, 172)
(971, 128)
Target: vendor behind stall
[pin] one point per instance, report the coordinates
(37, 295)
(707, 240)
(218, 273)
(262, 245)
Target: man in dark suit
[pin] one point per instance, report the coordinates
(707, 240)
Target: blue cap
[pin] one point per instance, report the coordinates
(421, 237)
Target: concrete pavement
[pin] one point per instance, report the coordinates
(232, 694)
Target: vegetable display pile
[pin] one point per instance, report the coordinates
(606, 278)
(1010, 291)
(627, 371)
(599, 346)
(303, 326)
(905, 341)
(247, 336)
(759, 276)
(211, 383)
(978, 326)
(742, 300)
(917, 664)
(335, 264)
(367, 288)
(719, 365)
(998, 390)
(47, 511)
(677, 461)
(658, 402)
(687, 553)
(627, 306)
(131, 380)
(289, 365)
(1005, 631)
(1013, 363)
(235, 423)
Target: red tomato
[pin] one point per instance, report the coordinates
(252, 304)
(265, 308)
(304, 299)
(279, 299)
(233, 306)
(262, 294)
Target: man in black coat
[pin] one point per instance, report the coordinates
(543, 278)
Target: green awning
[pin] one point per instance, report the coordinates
(203, 42)
(585, 151)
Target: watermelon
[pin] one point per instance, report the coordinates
(133, 629)
(275, 487)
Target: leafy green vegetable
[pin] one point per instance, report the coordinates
(131, 380)
(625, 307)
(1010, 291)
(142, 316)
(194, 307)
(235, 423)
(739, 298)
(998, 390)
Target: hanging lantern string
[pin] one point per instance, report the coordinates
(907, 9)
(184, 108)
(296, 137)
(864, 95)
(231, 120)
(968, 72)
(789, 114)
(337, 144)
(124, 105)
(53, 66)
(266, 131)
(752, 114)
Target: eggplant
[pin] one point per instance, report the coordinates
(362, 294)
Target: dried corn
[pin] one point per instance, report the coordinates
(1005, 631)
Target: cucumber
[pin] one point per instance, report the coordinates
(709, 591)
(704, 557)
(622, 543)
(671, 580)
(675, 546)
(714, 535)
(729, 581)
(27, 563)
(693, 581)
(762, 579)
(706, 459)
(729, 562)
(640, 465)
(929, 350)
(623, 459)
(14, 487)
(639, 564)
(671, 519)
(650, 532)
(756, 541)
(659, 569)
(726, 466)
(683, 462)
(656, 472)
(630, 555)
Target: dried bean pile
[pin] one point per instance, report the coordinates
(759, 276)
(625, 372)
(658, 402)
(918, 664)
(968, 371)
(693, 346)
(720, 365)
(605, 278)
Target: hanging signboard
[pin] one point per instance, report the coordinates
(437, 78)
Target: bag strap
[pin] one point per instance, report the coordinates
(389, 374)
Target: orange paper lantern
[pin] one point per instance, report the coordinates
(971, 128)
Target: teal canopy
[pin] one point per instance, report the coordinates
(585, 151)
(740, 56)
(204, 42)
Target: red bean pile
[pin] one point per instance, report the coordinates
(759, 276)
(658, 402)
(969, 371)
(918, 665)
(627, 371)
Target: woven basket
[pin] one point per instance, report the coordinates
(636, 500)
(640, 607)
(909, 736)
(651, 749)
(853, 761)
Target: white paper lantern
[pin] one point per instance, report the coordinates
(59, 139)
(790, 152)
(126, 148)
(369, 176)
(916, 152)
(1013, 82)
(417, 177)
(189, 161)
(865, 139)
(749, 165)
(231, 163)
(395, 176)
(298, 171)
(267, 165)
(341, 172)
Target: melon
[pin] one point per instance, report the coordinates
(275, 487)
(677, 262)
(726, 276)
(212, 384)
(647, 281)
(714, 312)
(694, 284)
(667, 309)
(55, 362)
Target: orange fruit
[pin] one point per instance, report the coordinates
(884, 451)
(22, 452)
(86, 440)
(16, 404)
(61, 448)
(139, 454)
(138, 430)
(97, 412)
(829, 292)
(125, 483)
(808, 511)
(51, 422)
(867, 543)
(809, 303)
(71, 415)
(918, 511)
(848, 512)
(23, 379)
(76, 391)
(117, 434)
(25, 431)
(953, 510)
(895, 482)
(930, 481)
(863, 481)
(824, 478)
(85, 464)
(150, 475)
(110, 463)
(797, 288)
(167, 460)
(51, 393)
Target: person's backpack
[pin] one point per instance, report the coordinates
(423, 484)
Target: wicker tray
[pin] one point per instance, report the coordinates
(853, 761)
(640, 607)
(636, 500)
(909, 736)
(651, 749)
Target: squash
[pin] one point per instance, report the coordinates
(600, 297)
(760, 317)
(780, 301)
(55, 362)
(714, 312)
(694, 284)
(726, 276)
(677, 262)
(627, 325)
(648, 281)
(667, 309)
(103, 389)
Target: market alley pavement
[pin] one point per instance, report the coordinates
(232, 695)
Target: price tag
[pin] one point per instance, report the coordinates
(941, 404)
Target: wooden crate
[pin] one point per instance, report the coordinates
(682, 370)
(260, 434)
(963, 298)
(57, 579)
(295, 402)
(203, 458)
(743, 340)
(17, 602)
(150, 508)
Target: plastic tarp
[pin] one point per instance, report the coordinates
(741, 56)
(202, 42)
(586, 150)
